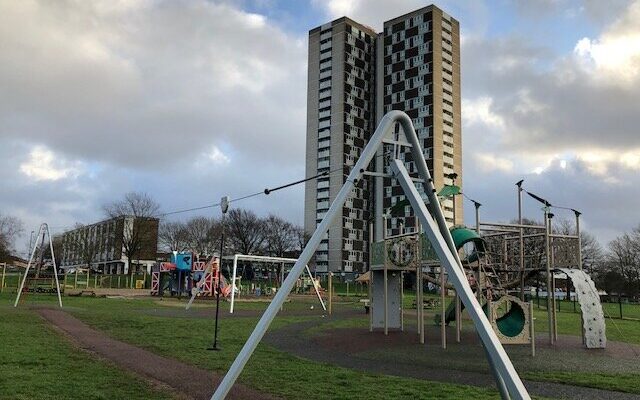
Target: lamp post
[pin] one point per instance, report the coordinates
(224, 207)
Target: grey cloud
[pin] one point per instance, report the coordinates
(128, 87)
(549, 103)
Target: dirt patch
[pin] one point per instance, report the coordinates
(185, 379)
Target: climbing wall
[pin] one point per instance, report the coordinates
(593, 324)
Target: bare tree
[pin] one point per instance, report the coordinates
(10, 229)
(246, 231)
(302, 238)
(172, 236)
(140, 231)
(202, 235)
(624, 259)
(280, 236)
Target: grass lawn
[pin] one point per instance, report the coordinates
(268, 370)
(185, 338)
(37, 363)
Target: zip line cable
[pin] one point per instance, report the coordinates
(266, 191)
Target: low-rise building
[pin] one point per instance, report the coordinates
(105, 245)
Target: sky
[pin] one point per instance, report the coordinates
(193, 100)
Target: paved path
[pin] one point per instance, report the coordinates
(185, 379)
(293, 339)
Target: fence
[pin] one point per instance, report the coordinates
(82, 280)
(620, 309)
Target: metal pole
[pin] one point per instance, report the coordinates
(521, 242)
(505, 374)
(549, 278)
(443, 328)
(579, 239)
(31, 238)
(401, 301)
(316, 288)
(553, 281)
(438, 235)
(218, 287)
(385, 126)
(420, 304)
(55, 267)
(26, 272)
(386, 299)
(458, 317)
(330, 290)
(370, 276)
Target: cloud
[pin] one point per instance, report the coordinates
(478, 111)
(490, 162)
(614, 57)
(217, 156)
(43, 165)
(95, 80)
(183, 100)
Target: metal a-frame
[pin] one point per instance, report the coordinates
(44, 229)
(433, 223)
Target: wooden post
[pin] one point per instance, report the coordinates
(4, 271)
(75, 281)
(95, 281)
(443, 328)
(532, 331)
(88, 273)
(19, 279)
(118, 281)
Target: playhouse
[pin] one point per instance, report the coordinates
(184, 273)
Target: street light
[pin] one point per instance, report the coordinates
(224, 207)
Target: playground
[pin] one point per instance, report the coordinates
(306, 354)
(469, 326)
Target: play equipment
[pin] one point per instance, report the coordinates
(593, 324)
(512, 320)
(183, 274)
(43, 232)
(264, 259)
(432, 219)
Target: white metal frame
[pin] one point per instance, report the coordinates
(246, 257)
(44, 228)
(434, 224)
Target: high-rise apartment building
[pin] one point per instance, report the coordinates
(355, 77)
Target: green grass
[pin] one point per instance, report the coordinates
(37, 363)
(285, 375)
(629, 383)
(268, 370)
